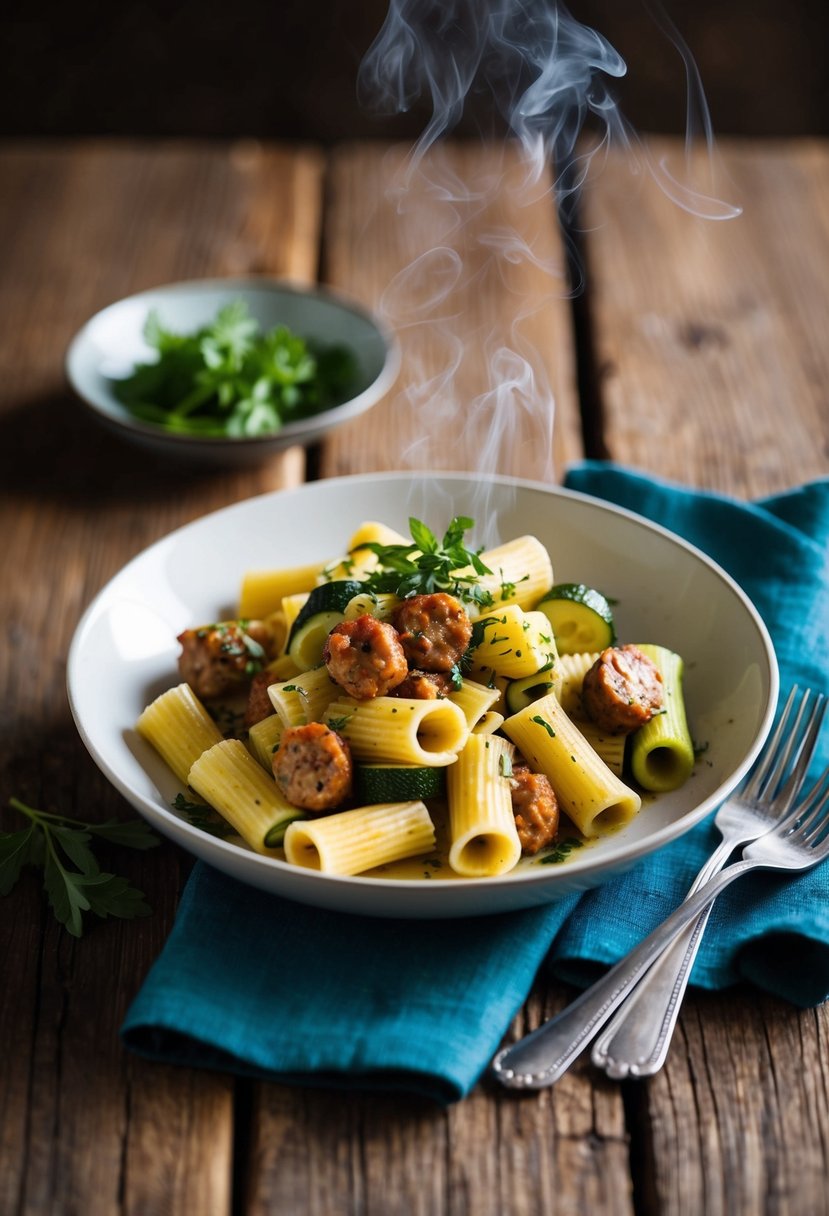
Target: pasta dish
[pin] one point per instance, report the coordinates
(418, 699)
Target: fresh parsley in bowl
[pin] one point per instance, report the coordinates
(230, 370)
(230, 378)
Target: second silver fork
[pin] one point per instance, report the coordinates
(636, 1040)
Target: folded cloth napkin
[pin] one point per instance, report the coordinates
(255, 984)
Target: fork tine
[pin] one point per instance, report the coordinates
(806, 747)
(794, 744)
(761, 772)
(815, 821)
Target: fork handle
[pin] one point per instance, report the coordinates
(539, 1059)
(636, 1042)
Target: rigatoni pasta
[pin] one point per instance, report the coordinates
(230, 780)
(352, 842)
(483, 837)
(592, 796)
(453, 718)
(179, 728)
(397, 730)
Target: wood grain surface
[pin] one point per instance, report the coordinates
(700, 354)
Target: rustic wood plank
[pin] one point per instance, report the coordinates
(710, 337)
(738, 1121)
(461, 280)
(82, 1126)
(711, 349)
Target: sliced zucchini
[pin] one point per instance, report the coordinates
(580, 617)
(521, 693)
(397, 783)
(324, 608)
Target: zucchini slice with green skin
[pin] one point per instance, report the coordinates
(581, 618)
(324, 608)
(397, 783)
(520, 693)
(276, 834)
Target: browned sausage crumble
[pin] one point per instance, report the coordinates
(434, 631)
(259, 704)
(216, 659)
(312, 766)
(622, 690)
(365, 657)
(424, 686)
(535, 807)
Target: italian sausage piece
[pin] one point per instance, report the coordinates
(312, 767)
(622, 690)
(220, 658)
(424, 686)
(259, 704)
(365, 657)
(434, 631)
(535, 807)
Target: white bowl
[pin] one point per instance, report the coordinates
(112, 342)
(124, 653)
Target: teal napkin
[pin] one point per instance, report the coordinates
(252, 983)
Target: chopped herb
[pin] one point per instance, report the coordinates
(339, 723)
(229, 378)
(60, 846)
(508, 587)
(203, 817)
(429, 565)
(540, 721)
(505, 765)
(561, 851)
(456, 677)
(297, 688)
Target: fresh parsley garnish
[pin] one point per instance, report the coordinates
(339, 723)
(203, 817)
(537, 718)
(429, 565)
(560, 851)
(72, 878)
(227, 378)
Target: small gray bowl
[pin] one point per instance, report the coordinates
(112, 342)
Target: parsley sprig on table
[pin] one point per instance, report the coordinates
(74, 883)
(429, 565)
(228, 379)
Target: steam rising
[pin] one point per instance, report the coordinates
(550, 79)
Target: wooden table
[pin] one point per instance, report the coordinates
(698, 352)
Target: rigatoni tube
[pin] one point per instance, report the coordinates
(483, 837)
(399, 730)
(592, 796)
(521, 572)
(661, 751)
(179, 728)
(263, 740)
(352, 842)
(230, 780)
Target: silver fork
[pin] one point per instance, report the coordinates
(637, 1040)
(798, 842)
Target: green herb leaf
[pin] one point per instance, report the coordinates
(200, 815)
(561, 851)
(428, 566)
(541, 722)
(17, 849)
(74, 884)
(227, 378)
